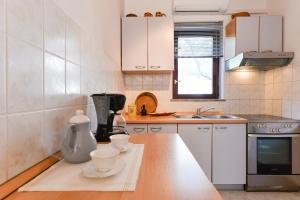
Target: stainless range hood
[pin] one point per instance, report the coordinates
(259, 61)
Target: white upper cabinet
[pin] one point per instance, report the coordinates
(255, 33)
(160, 44)
(270, 37)
(247, 29)
(134, 44)
(147, 44)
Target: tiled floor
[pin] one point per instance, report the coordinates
(241, 195)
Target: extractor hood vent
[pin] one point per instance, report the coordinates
(259, 61)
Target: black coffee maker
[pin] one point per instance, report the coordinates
(107, 106)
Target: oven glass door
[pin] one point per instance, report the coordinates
(274, 156)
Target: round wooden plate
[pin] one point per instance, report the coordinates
(148, 99)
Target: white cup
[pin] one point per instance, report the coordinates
(119, 141)
(105, 158)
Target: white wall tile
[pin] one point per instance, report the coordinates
(147, 82)
(55, 81)
(24, 141)
(2, 75)
(278, 75)
(287, 73)
(287, 108)
(287, 91)
(296, 73)
(25, 77)
(55, 29)
(25, 20)
(73, 84)
(268, 107)
(2, 16)
(54, 130)
(269, 77)
(296, 110)
(296, 90)
(73, 78)
(73, 42)
(244, 106)
(3, 149)
(277, 107)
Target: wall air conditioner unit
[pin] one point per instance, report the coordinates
(211, 6)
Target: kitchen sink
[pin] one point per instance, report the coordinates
(221, 117)
(190, 117)
(206, 117)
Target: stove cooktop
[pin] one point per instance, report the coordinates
(267, 119)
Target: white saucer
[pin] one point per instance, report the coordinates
(127, 147)
(91, 171)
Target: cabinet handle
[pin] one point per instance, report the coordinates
(205, 129)
(138, 130)
(221, 128)
(140, 67)
(155, 67)
(154, 129)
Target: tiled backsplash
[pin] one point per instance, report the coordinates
(283, 92)
(48, 67)
(244, 92)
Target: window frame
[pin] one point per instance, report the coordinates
(216, 80)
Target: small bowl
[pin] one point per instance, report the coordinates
(105, 158)
(119, 140)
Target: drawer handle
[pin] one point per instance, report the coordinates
(155, 67)
(154, 129)
(140, 67)
(205, 129)
(221, 128)
(138, 130)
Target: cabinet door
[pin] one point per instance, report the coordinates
(134, 44)
(136, 128)
(270, 35)
(160, 44)
(198, 139)
(247, 31)
(229, 154)
(162, 128)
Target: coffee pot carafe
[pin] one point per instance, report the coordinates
(79, 141)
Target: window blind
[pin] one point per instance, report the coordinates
(199, 40)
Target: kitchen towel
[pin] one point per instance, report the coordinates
(64, 176)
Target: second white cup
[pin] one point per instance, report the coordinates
(119, 141)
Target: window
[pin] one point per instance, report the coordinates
(198, 49)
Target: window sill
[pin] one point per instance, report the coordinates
(195, 100)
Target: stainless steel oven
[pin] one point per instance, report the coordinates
(273, 155)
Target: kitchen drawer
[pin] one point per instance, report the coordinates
(162, 128)
(136, 128)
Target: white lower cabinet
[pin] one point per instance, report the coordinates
(136, 128)
(229, 154)
(162, 128)
(198, 139)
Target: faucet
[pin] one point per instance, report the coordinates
(200, 111)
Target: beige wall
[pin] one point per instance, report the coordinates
(283, 85)
(52, 56)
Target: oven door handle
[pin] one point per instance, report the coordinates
(274, 136)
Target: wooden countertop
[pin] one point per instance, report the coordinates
(138, 119)
(168, 172)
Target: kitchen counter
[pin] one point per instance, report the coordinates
(173, 120)
(168, 171)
